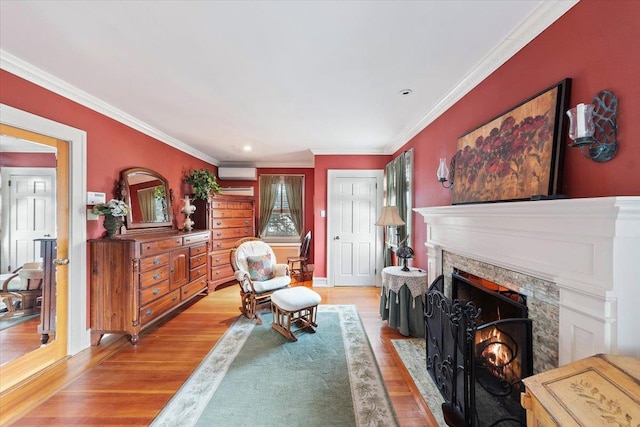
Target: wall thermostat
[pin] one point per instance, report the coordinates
(94, 198)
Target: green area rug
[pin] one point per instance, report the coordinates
(256, 377)
(413, 354)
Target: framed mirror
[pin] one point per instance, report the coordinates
(147, 194)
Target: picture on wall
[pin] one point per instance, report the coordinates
(515, 156)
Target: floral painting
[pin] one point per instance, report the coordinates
(515, 156)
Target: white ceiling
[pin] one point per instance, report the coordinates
(287, 78)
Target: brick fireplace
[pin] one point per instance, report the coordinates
(577, 259)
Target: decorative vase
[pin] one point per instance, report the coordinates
(112, 224)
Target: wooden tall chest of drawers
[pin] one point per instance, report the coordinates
(136, 280)
(229, 218)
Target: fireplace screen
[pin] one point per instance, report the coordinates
(476, 356)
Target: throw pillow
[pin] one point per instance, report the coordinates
(260, 267)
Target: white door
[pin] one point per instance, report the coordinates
(30, 213)
(354, 243)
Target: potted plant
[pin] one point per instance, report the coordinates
(204, 183)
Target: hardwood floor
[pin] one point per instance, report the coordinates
(120, 384)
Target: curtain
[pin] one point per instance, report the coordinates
(147, 204)
(268, 193)
(399, 182)
(293, 185)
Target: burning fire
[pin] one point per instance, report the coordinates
(497, 352)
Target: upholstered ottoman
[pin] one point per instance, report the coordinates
(294, 305)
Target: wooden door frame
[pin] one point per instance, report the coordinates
(77, 334)
(350, 173)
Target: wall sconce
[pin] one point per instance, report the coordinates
(446, 174)
(593, 127)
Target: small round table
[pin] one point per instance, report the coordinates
(401, 299)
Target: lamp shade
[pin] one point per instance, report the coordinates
(390, 217)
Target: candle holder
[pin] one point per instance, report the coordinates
(188, 209)
(593, 127)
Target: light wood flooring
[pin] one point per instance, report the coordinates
(117, 383)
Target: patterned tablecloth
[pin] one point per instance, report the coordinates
(393, 278)
(401, 299)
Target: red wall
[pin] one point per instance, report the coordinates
(322, 166)
(111, 146)
(597, 45)
(28, 160)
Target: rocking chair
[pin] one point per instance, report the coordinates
(258, 274)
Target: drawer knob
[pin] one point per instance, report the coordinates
(217, 259)
(156, 261)
(156, 276)
(148, 313)
(175, 297)
(186, 291)
(218, 223)
(217, 273)
(218, 234)
(219, 245)
(156, 291)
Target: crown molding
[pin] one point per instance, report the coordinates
(541, 18)
(349, 152)
(29, 72)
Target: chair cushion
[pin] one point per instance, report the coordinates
(270, 285)
(294, 299)
(260, 267)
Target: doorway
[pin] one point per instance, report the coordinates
(71, 333)
(354, 250)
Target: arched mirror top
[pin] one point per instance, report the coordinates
(148, 196)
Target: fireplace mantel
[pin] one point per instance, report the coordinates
(590, 248)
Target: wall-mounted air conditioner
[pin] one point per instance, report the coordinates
(238, 174)
(237, 191)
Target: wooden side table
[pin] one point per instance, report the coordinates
(597, 391)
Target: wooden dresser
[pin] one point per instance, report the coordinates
(138, 279)
(597, 391)
(229, 218)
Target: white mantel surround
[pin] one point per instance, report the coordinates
(590, 248)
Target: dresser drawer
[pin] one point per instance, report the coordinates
(153, 292)
(219, 245)
(195, 238)
(222, 272)
(220, 258)
(153, 262)
(159, 306)
(154, 276)
(197, 250)
(193, 288)
(225, 213)
(231, 222)
(226, 233)
(197, 272)
(198, 260)
(149, 248)
(217, 204)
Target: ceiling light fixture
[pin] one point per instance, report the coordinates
(247, 148)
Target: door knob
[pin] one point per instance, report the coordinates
(336, 238)
(61, 261)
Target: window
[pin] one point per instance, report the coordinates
(281, 204)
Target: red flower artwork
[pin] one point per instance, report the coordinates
(511, 157)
